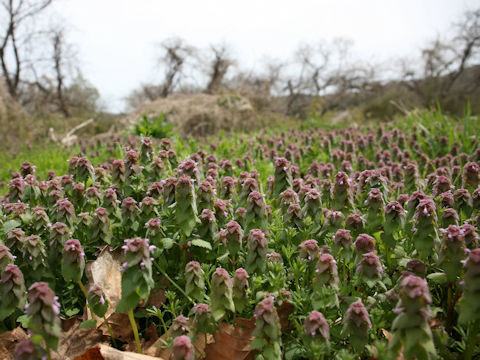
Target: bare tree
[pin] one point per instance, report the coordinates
(314, 64)
(14, 14)
(144, 93)
(50, 76)
(444, 61)
(59, 56)
(218, 66)
(261, 86)
(467, 41)
(317, 70)
(175, 54)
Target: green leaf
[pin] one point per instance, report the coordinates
(403, 262)
(72, 312)
(223, 258)
(10, 225)
(6, 311)
(88, 324)
(202, 243)
(295, 351)
(23, 320)
(26, 218)
(128, 303)
(257, 344)
(438, 278)
(167, 243)
(36, 338)
(218, 313)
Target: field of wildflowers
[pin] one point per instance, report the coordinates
(348, 243)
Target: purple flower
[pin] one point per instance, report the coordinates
(343, 238)
(357, 315)
(370, 266)
(309, 249)
(315, 324)
(365, 243)
(183, 348)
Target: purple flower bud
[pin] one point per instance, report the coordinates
(355, 222)
(240, 279)
(183, 348)
(201, 309)
(416, 288)
(326, 271)
(180, 326)
(343, 238)
(357, 315)
(315, 324)
(365, 243)
(417, 267)
(308, 249)
(370, 266)
(470, 235)
(266, 311)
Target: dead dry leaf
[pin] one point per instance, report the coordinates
(284, 311)
(105, 352)
(74, 341)
(157, 348)
(91, 354)
(120, 325)
(105, 272)
(387, 335)
(157, 298)
(9, 341)
(232, 343)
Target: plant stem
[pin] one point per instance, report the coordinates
(49, 355)
(84, 291)
(202, 355)
(471, 341)
(388, 256)
(183, 249)
(135, 330)
(451, 300)
(173, 282)
(13, 321)
(110, 330)
(164, 326)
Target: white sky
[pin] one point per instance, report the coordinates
(115, 39)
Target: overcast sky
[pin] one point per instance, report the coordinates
(115, 39)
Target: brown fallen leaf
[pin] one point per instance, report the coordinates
(9, 341)
(165, 353)
(105, 272)
(387, 335)
(120, 325)
(151, 334)
(146, 343)
(157, 348)
(91, 354)
(105, 352)
(284, 311)
(232, 343)
(74, 341)
(157, 298)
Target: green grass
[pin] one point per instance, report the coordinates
(46, 157)
(53, 157)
